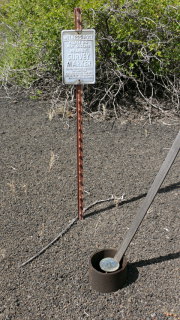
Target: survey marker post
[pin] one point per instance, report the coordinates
(78, 68)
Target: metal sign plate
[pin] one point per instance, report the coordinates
(78, 56)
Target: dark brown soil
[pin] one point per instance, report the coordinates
(38, 199)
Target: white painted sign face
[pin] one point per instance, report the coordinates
(78, 56)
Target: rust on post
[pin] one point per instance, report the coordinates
(78, 26)
(78, 20)
(79, 150)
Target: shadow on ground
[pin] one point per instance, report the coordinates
(133, 272)
(166, 189)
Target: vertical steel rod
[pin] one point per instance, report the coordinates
(78, 27)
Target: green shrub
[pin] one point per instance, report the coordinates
(138, 46)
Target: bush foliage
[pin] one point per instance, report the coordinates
(138, 47)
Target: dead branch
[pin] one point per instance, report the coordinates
(68, 227)
(98, 202)
(50, 243)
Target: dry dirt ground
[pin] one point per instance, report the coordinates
(38, 199)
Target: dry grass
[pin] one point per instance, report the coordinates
(60, 111)
(52, 160)
(12, 187)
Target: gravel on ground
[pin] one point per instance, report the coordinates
(38, 198)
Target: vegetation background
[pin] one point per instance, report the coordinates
(137, 49)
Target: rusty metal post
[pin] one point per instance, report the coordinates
(78, 27)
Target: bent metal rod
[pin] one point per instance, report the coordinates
(112, 264)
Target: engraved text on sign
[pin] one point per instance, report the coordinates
(78, 56)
